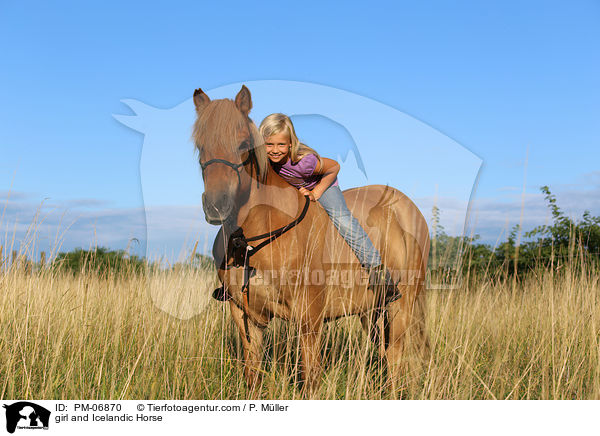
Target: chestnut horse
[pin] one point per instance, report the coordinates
(303, 275)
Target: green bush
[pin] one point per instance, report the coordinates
(541, 246)
(101, 260)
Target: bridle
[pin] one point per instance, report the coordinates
(236, 167)
(237, 247)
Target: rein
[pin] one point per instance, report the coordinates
(237, 246)
(239, 249)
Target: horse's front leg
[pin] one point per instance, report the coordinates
(253, 350)
(310, 320)
(310, 348)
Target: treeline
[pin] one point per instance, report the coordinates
(545, 246)
(100, 260)
(104, 262)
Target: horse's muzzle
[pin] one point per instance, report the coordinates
(217, 208)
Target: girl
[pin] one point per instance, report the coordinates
(316, 177)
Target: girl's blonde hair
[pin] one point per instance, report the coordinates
(276, 124)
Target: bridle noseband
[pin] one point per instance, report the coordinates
(235, 167)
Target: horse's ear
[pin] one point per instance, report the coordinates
(243, 101)
(200, 99)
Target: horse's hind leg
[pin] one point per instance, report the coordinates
(396, 329)
(252, 350)
(366, 321)
(371, 327)
(407, 348)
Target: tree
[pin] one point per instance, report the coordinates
(540, 246)
(100, 260)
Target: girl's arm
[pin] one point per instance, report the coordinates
(329, 170)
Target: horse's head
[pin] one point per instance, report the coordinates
(231, 152)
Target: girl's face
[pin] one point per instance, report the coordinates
(278, 147)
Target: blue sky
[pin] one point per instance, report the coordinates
(506, 81)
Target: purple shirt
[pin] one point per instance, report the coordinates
(301, 173)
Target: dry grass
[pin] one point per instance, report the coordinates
(161, 337)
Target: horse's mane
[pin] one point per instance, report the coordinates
(217, 126)
(260, 151)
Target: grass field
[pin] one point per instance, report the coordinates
(160, 336)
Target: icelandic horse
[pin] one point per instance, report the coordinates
(246, 197)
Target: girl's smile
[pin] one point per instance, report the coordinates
(278, 147)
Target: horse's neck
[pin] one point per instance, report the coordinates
(274, 193)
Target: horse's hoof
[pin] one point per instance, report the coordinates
(221, 294)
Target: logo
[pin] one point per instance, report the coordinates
(377, 144)
(26, 415)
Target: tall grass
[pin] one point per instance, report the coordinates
(160, 336)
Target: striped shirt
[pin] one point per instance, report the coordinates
(301, 174)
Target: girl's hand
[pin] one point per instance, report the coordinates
(310, 194)
(329, 171)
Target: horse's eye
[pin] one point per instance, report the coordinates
(243, 146)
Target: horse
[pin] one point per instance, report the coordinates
(284, 275)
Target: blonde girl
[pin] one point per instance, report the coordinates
(316, 177)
